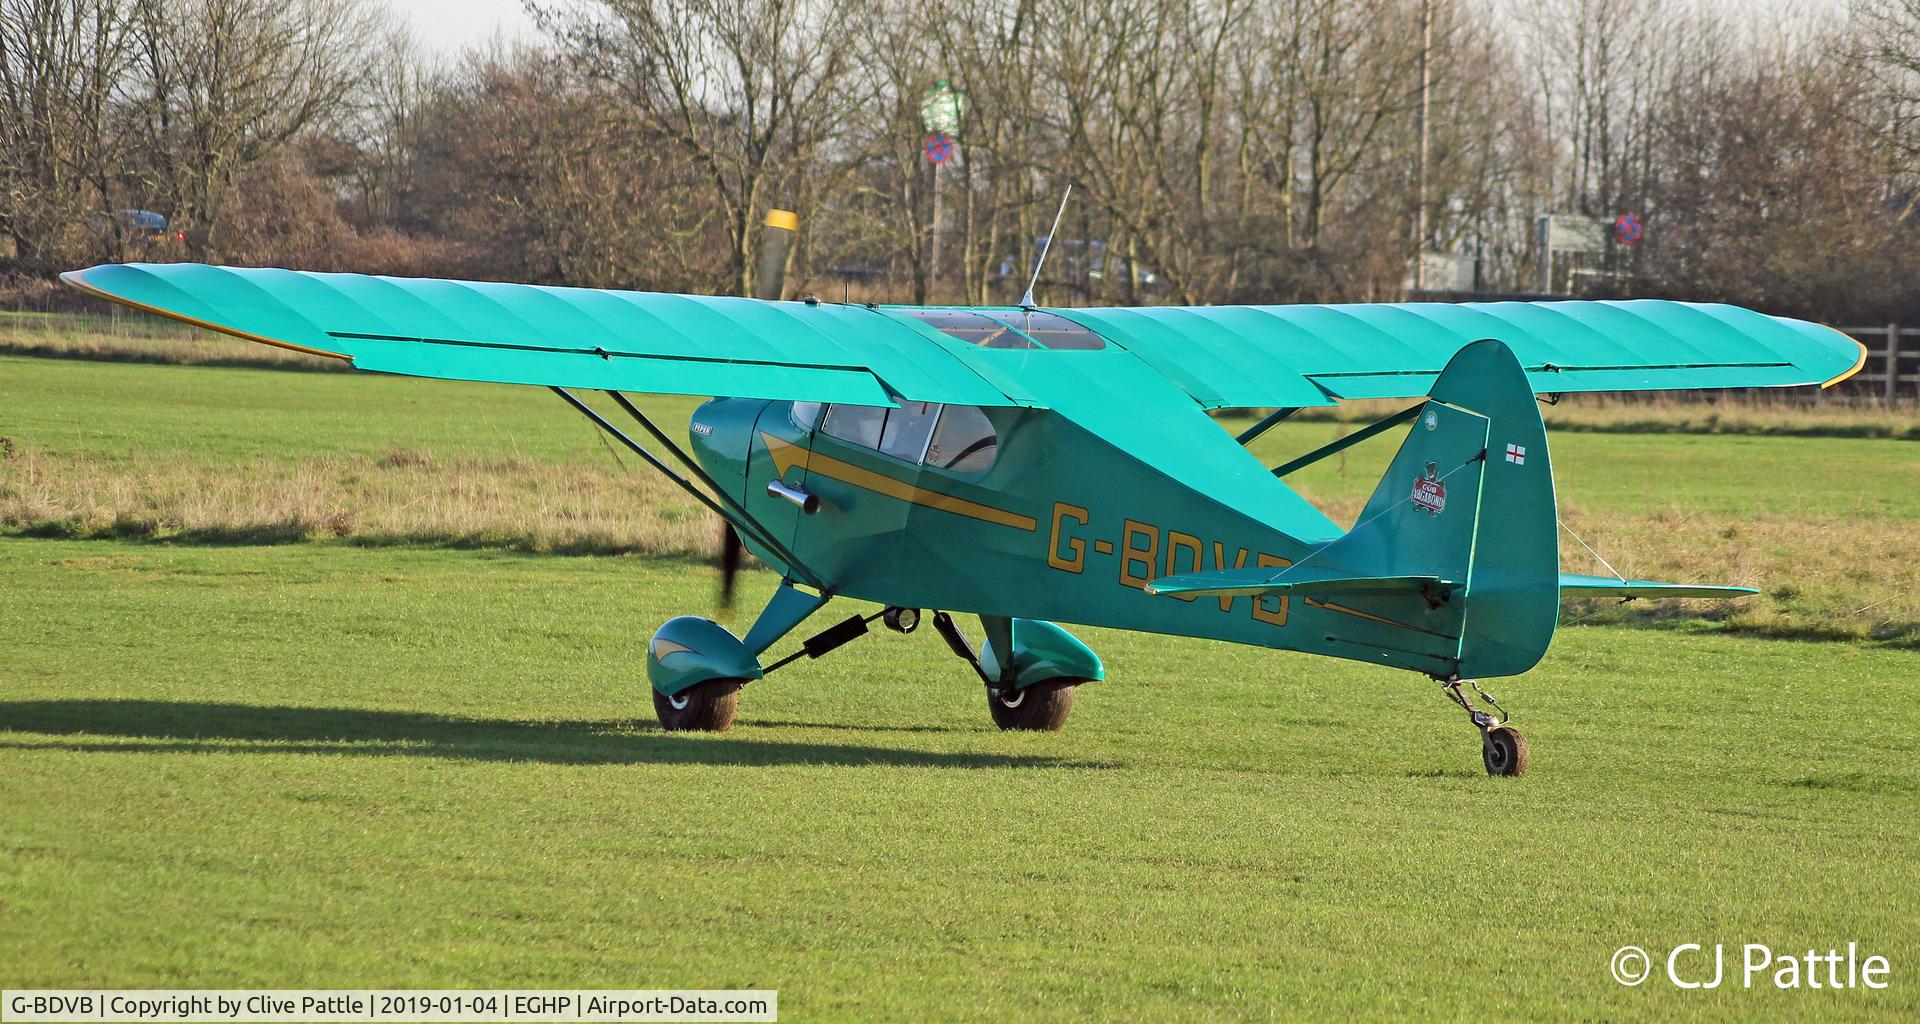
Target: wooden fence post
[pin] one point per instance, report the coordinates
(1893, 361)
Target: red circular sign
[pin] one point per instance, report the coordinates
(1627, 229)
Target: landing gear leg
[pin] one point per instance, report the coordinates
(1502, 748)
(1041, 705)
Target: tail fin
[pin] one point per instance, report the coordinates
(1469, 498)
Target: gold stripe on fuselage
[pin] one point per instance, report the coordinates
(786, 455)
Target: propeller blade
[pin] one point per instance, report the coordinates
(729, 563)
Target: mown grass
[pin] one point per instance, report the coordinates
(316, 766)
(240, 754)
(1825, 527)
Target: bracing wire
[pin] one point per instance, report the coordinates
(1590, 550)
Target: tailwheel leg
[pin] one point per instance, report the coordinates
(1502, 748)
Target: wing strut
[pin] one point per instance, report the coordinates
(1273, 419)
(1350, 440)
(734, 514)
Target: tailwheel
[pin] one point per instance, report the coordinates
(1504, 750)
(704, 707)
(1040, 707)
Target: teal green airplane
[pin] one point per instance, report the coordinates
(1040, 466)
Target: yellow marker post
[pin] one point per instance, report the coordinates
(775, 242)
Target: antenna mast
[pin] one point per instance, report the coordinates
(1026, 301)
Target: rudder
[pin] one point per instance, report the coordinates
(1474, 491)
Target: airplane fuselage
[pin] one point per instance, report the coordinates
(1060, 524)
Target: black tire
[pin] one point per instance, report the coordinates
(1042, 707)
(704, 707)
(1505, 752)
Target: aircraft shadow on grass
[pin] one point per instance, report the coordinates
(120, 726)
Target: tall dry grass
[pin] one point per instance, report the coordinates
(1819, 576)
(1794, 412)
(142, 339)
(402, 497)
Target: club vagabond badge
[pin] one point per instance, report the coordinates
(1430, 492)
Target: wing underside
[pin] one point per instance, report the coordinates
(568, 337)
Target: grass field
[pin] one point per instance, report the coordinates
(244, 742)
(333, 767)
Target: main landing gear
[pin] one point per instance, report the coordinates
(1502, 748)
(703, 707)
(697, 667)
(1030, 686)
(1042, 707)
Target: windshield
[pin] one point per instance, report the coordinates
(1007, 328)
(1051, 330)
(971, 328)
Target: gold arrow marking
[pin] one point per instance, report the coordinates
(663, 647)
(787, 455)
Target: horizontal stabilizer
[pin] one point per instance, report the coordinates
(1575, 585)
(1294, 580)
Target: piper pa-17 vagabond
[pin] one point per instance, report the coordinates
(1037, 466)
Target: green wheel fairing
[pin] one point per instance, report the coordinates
(689, 650)
(1042, 652)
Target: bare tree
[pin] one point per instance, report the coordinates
(747, 87)
(61, 62)
(385, 134)
(223, 84)
(1010, 163)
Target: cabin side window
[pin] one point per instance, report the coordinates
(908, 427)
(855, 424)
(954, 438)
(901, 433)
(964, 441)
(806, 415)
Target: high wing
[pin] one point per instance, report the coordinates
(1261, 356)
(1225, 356)
(561, 337)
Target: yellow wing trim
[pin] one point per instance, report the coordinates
(1857, 363)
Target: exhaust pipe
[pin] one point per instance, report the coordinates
(806, 500)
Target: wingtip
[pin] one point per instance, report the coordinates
(1859, 362)
(76, 279)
